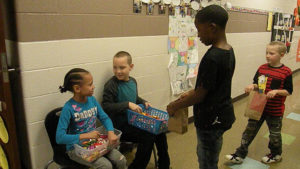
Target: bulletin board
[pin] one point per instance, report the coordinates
(283, 28)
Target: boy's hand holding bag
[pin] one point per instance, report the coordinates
(256, 104)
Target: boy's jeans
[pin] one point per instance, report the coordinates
(209, 147)
(146, 142)
(275, 144)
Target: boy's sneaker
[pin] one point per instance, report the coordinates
(269, 158)
(234, 158)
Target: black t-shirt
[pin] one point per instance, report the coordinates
(215, 75)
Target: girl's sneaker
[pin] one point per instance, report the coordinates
(234, 158)
(269, 158)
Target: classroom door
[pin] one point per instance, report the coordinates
(8, 135)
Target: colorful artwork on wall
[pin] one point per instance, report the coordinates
(283, 28)
(298, 52)
(183, 50)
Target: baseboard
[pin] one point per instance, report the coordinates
(239, 97)
(191, 119)
(296, 71)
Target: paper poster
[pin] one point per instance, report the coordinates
(181, 73)
(173, 44)
(182, 26)
(179, 87)
(161, 8)
(248, 10)
(173, 60)
(190, 28)
(192, 42)
(183, 51)
(298, 52)
(137, 6)
(182, 58)
(183, 44)
(150, 8)
(193, 56)
(270, 21)
(177, 10)
(178, 81)
(192, 71)
(283, 28)
(173, 26)
(178, 74)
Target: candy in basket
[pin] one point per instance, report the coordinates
(92, 149)
(152, 120)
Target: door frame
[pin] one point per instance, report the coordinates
(11, 148)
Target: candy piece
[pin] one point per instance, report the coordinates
(85, 143)
(103, 136)
(98, 144)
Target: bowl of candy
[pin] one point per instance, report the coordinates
(92, 149)
(152, 120)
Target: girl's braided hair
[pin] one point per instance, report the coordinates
(73, 77)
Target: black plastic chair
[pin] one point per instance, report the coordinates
(60, 156)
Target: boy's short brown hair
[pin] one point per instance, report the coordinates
(280, 46)
(124, 54)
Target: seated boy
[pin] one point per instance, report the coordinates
(120, 93)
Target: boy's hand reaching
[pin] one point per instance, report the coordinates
(112, 138)
(249, 88)
(170, 109)
(147, 105)
(135, 107)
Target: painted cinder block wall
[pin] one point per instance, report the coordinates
(54, 36)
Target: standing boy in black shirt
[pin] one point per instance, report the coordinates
(211, 98)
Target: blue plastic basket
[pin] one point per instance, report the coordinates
(152, 125)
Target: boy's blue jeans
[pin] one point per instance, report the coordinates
(146, 142)
(209, 147)
(275, 143)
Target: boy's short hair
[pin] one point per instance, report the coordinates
(280, 46)
(213, 14)
(122, 54)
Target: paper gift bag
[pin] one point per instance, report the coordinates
(256, 104)
(179, 122)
